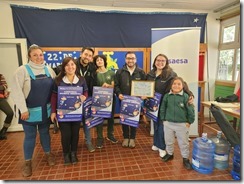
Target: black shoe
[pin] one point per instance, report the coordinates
(112, 139)
(67, 159)
(3, 133)
(167, 157)
(99, 143)
(74, 158)
(187, 164)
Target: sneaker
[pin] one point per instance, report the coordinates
(125, 143)
(50, 159)
(187, 164)
(162, 153)
(167, 157)
(155, 148)
(112, 139)
(99, 143)
(90, 148)
(132, 143)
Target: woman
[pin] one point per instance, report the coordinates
(31, 92)
(105, 78)
(5, 107)
(162, 74)
(69, 76)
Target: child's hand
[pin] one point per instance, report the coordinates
(188, 125)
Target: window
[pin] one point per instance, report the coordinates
(229, 50)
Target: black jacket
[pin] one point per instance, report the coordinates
(123, 79)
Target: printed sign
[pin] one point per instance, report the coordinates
(130, 110)
(102, 99)
(69, 104)
(151, 106)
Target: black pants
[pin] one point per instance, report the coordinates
(129, 132)
(5, 107)
(69, 135)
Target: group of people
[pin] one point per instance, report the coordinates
(35, 95)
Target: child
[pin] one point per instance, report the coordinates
(177, 115)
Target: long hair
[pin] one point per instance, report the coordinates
(185, 87)
(167, 70)
(62, 73)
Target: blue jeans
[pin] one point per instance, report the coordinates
(87, 133)
(30, 138)
(158, 137)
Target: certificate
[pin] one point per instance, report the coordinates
(142, 88)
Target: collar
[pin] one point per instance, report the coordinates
(180, 93)
(66, 80)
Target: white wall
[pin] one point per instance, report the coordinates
(212, 36)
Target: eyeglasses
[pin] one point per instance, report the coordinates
(158, 60)
(130, 58)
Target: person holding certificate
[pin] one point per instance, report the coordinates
(105, 78)
(123, 78)
(69, 76)
(162, 74)
(31, 92)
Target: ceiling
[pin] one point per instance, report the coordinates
(205, 5)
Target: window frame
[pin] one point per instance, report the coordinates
(235, 45)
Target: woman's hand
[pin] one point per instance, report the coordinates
(24, 115)
(121, 97)
(191, 100)
(188, 125)
(54, 117)
(82, 98)
(106, 85)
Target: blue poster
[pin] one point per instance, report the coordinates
(69, 104)
(102, 99)
(89, 120)
(151, 106)
(130, 111)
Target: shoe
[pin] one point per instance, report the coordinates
(67, 159)
(99, 143)
(90, 148)
(125, 143)
(162, 153)
(167, 157)
(50, 159)
(132, 143)
(27, 169)
(74, 158)
(3, 133)
(155, 148)
(187, 164)
(55, 130)
(112, 140)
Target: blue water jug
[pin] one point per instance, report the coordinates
(203, 154)
(235, 173)
(222, 151)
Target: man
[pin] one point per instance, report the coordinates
(123, 78)
(87, 69)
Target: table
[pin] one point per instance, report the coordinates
(232, 109)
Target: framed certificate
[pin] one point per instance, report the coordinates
(142, 88)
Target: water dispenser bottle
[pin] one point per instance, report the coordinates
(203, 154)
(235, 173)
(222, 151)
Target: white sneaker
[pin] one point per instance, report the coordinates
(162, 153)
(155, 148)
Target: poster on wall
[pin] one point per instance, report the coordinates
(183, 53)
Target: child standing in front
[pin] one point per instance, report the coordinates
(177, 115)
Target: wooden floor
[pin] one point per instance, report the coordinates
(112, 162)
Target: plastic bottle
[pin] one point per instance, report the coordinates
(222, 151)
(235, 173)
(203, 154)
